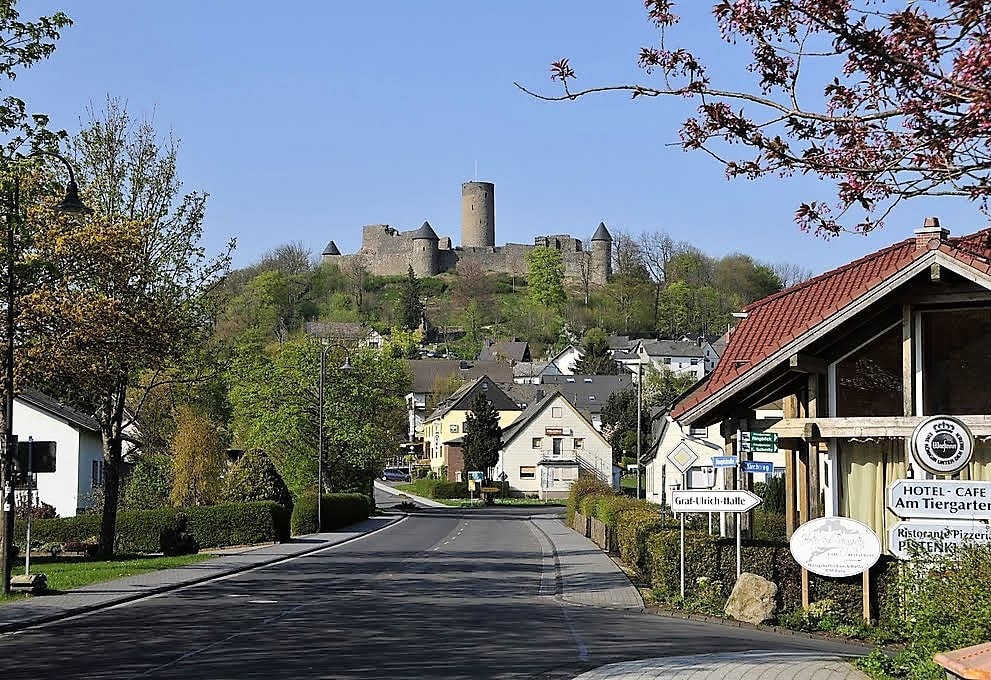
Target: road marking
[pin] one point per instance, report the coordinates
(263, 602)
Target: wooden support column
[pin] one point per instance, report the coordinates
(908, 376)
(790, 409)
(812, 446)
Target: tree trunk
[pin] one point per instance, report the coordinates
(111, 493)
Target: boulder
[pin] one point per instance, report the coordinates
(753, 599)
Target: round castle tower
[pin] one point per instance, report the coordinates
(425, 258)
(601, 255)
(477, 215)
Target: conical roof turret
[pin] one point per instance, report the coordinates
(602, 234)
(426, 231)
(331, 249)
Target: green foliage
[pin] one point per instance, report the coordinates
(141, 531)
(437, 488)
(773, 494)
(149, 484)
(545, 277)
(661, 386)
(403, 344)
(619, 423)
(410, 302)
(581, 489)
(633, 532)
(198, 460)
(594, 358)
(338, 510)
(609, 508)
(769, 526)
(254, 478)
(483, 436)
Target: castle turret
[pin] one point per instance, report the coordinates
(601, 255)
(478, 214)
(330, 252)
(425, 257)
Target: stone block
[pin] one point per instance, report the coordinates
(753, 599)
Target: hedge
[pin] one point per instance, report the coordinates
(338, 510)
(637, 526)
(439, 488)
(581, 488)
(140, 531)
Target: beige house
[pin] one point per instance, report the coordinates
(446, 425)
(551, 445)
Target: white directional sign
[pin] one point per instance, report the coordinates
(940, 499)
(713, 501)
(682, 457)
(931, 537)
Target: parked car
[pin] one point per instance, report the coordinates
(395, 475)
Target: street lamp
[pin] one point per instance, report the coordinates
(639, 401)
(71, 204)
(323, 378)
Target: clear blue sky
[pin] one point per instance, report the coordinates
(306, 119)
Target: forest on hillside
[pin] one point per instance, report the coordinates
(659, 287)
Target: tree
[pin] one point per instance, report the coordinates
(483, 436)
(661, 386)
(198, 460)
(124, 296)
(254, 478)
(904, 96)
(619, 423)
(545, 277)
(149, 484)
(594, 358)
(403, 343)
(410, 302)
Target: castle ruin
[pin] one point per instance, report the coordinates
(386, 251)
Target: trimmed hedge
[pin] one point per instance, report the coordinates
(338, 510)
(580, 489)
(140, 531)
(632, 533)
(439, 488)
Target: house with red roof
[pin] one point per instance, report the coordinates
(864, 358)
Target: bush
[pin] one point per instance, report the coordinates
(254, 478)
(338, 510)
(632, 533)
(439, 488)
(148, 486)
(581, 488)
(177, 540)
(608, 509)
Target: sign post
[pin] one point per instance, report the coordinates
(682, 457)
(736, 501)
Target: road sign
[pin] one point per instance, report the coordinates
(682, 457)
(42, 456)
(759, 442)
(940, 499)
(934, 537)
(713, 501)
(476, 475)
(757, 467)
(503, 476)
(724, 461)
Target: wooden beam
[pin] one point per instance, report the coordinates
(790, 524)
(867, 426)
(803, 363)
(812, 447)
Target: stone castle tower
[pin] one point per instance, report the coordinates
(478, 215)
(385, 251)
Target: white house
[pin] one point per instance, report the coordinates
(78, 453)
(679, 356)
(549, 446)
(565, 360)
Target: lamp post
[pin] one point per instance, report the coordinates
(70, 204)
(639, 400)
(323, 379)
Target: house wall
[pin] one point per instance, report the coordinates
(439, 430)
(565, 363)
(68, 487)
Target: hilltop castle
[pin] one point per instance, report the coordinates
(385, 251)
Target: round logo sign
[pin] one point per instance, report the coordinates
(942, 445)
(835, 546)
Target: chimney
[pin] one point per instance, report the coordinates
(931, 235)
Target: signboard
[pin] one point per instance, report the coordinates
(713, 501)
(757, 467)
(724, 461)
(553, 431)
(42, 457)
(835, 546)
(503, 476)
(940, 499)
(476, 475)
(942, 445)
(682, 457)
(759, 442)
(701, 478)
(908, 539)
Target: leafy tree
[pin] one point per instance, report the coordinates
(403, 343)
(410, 302)
(124, 295)
(149, 484)
(545, 276)
(902, 112)
(619, 424)
(198, 460)
(483, 436)
(594, 358)
(254, 478)
(662, 385)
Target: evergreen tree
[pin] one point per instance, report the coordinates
(483, 436)
(411, 310)
(594, 358)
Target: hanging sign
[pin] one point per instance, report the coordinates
(835, 546)
(942, 445)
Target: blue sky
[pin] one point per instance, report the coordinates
(306, 119)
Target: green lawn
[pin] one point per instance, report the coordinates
(66, 573)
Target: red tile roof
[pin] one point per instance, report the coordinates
(778, 319)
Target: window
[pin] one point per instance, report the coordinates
(579, 443)
(536, 442)
(457, 475)
(557, 444)
(97, 478)
(464, 426)
(695, 362)
(696, 431)
(588, 380)
(454, 427)
(570, 380)
(955, 361)
(528, 472)
(667, 360)
(557, 412)
(869, 380)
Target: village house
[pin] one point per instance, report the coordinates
(350, 334)
(862, 356)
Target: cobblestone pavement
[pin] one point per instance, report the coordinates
(735, 666)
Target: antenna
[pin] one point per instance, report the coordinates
(476, 171)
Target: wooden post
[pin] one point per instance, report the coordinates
(802, 482)
(867, 595)
(815, 486)
(805, 589)
(790, 462)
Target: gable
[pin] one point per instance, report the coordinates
(539, 417)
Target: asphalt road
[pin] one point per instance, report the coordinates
(443, 594)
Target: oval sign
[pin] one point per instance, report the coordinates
(835, 546)
(942, 445)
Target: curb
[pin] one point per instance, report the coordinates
(158, 590)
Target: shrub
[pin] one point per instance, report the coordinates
(439, 488)
(637, 526)
(769, 526)
(581, 488)
(149, 484)
(608, 509)
(254, 477)
(176, 540)
(338, 510)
